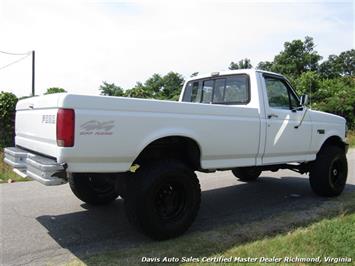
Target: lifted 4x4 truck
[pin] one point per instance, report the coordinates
(147, 151)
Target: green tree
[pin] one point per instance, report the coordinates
(297, 57)
(154, 85)
(242, 64)
(167, 87)
(347, 62)
(265, 65)
(7, 118)
(337, 66)
(139, 91)
(172, 85)
(54, 90)
(337, 96)
(110, 89)
(307, 83)
(330, 68)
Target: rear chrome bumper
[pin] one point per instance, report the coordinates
(42, 169)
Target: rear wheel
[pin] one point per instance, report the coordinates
(329, 172)
(163, 199)
(246, 174)
(93, 189)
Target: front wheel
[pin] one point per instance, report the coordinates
(163, 199)
(246, 174)
(92, 189)
(329, 172)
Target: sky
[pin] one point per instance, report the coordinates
(80, 43)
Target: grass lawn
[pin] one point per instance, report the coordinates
(6, 172)
(329, 238)
(327, 230)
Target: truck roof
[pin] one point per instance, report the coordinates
(231, 72)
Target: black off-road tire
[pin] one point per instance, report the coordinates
(92, 189)
(163, 199)
(329, 172)
(246, 174)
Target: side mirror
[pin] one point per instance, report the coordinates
(304, 100)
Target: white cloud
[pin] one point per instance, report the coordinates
(81, 43)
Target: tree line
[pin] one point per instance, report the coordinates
(167, 87)
(329, 83)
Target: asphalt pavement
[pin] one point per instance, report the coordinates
(42, 225)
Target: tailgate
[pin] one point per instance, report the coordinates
(36, 124)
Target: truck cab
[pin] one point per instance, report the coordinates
(289, 131)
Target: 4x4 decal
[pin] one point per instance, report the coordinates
(94, 127)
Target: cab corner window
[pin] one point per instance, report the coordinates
(192, 92)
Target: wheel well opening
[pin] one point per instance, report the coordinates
(334, 141)
(177, 147)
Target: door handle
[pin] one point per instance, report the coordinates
(272, 115)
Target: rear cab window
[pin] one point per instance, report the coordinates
(233, 89)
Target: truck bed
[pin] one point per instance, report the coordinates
(110, 132)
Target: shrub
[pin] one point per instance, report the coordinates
(7, 118)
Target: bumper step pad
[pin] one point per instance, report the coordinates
(42, 169)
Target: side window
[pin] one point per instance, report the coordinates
(280, 95)
(237, 90)
(207, 89)
(277, 93)
(192, 92)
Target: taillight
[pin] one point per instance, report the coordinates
(65, 127)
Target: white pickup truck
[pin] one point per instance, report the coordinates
(147, 151)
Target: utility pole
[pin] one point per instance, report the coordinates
(33, 73)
